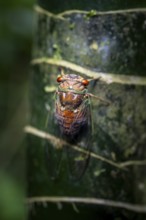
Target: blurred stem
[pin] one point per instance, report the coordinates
(103, 202)
(59, 143)
(106, 77)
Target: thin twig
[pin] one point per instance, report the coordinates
(70, 12)
(94, 201)
(133, 162)
(43, 11)
(59, 143)
(106, 77)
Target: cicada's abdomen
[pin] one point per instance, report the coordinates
(71, 104)
(71, 113)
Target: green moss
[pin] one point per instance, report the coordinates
(57, 51)
(91, 13)
(72, 26)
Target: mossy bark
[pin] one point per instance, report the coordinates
(107, 42)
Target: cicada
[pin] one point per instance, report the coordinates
(73, 118)
(71, 107)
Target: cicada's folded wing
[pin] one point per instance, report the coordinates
(53, 151)
(53, 161)
(78, 151)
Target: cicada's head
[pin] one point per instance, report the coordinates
(72, 82)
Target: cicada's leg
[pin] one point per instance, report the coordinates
(91, 118)
(95, 79)
(99, 98)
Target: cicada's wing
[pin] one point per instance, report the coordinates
(53, 161)
(53, 152)
(78, 151)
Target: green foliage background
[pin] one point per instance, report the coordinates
(16, 28)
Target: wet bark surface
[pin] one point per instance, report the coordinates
(100, 42)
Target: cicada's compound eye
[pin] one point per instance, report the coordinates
(59, 79)
(85, 82)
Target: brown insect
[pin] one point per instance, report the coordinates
(73, 116)
(72, 102)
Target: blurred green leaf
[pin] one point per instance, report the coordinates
(11, 199)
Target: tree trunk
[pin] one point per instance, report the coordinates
(110, 45)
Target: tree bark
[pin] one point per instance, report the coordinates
(110, 45)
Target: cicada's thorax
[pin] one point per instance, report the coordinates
(71, 102)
